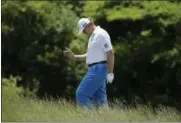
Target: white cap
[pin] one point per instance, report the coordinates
(82, 23)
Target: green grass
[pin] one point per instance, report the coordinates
(16, 108)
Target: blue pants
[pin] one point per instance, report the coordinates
(93, 86)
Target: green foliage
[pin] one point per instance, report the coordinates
(93, 9)
(11, 81)
(9, 86)
(33, 36)
(134, 10)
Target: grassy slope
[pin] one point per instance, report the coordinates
(15, 108)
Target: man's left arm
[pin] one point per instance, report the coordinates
(106, 45)
(110, 60)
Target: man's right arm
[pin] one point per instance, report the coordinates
(80, 57)
(69, 54)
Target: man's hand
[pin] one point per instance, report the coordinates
(110, 77)
(69, 54)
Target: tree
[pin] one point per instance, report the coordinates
(33, 34)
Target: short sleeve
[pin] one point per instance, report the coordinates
(105, 42)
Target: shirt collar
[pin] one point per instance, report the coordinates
(96, 29)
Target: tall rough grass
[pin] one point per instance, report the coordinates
(17, 108)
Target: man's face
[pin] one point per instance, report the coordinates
(88, 29)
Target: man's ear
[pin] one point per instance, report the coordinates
(92, 23)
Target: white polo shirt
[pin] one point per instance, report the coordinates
(98, 45)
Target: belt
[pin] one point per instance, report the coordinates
(101, 62)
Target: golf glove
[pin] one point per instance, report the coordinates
(110, 77)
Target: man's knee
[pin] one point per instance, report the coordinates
(79, 94)
(82, 99)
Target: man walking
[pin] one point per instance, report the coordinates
(100, 61)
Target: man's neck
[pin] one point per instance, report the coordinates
(93, 28)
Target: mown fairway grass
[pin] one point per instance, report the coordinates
(16, 108)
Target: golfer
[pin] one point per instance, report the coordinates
(100, 61)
